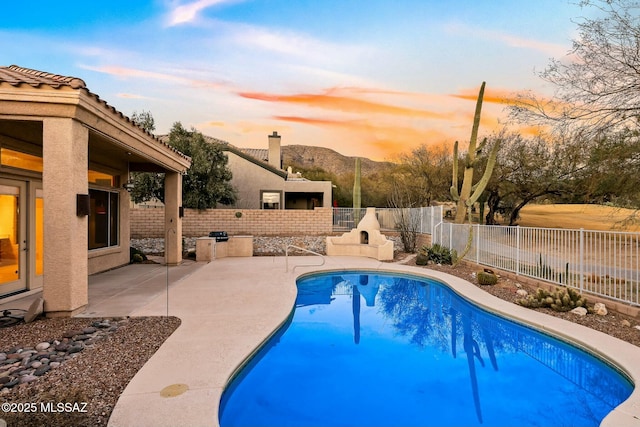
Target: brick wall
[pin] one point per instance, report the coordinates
(148, 222)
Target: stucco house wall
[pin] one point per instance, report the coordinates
(322, 188)
(250, 179)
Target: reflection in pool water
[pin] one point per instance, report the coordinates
(371, 349)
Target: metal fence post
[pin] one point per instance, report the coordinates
(581, 269)
(432, 220)
(517, 250)
(476, 237)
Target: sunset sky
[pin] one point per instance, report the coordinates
(370, 78)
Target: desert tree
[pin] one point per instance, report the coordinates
(425, 173)
(597, 84)
(205, 184)
(531, 169)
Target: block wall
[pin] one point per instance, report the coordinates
(148, 222)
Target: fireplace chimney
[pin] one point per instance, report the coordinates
(275, 157)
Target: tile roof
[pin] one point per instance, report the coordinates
(254, 155)
(17, 76)
(258, 153)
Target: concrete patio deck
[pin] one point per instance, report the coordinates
(231, 305)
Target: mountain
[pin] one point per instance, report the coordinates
(327, 159)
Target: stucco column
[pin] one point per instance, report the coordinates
(65, 157)
(172, 220)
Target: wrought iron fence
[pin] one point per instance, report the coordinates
(425, 218)
(597, 262)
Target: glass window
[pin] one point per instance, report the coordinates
(39, 238)
(9, 234)
(103, 219)
(270, 200)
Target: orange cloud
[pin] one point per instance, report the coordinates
(215, 124)
(494, 96)
(342, 103)
(310, 121)
(378, 140)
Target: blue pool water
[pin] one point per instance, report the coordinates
(371, 349)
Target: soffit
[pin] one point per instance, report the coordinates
(20, 77)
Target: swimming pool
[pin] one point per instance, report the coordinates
(364, 348)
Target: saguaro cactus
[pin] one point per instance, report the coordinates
(357, 195)
(464, 198)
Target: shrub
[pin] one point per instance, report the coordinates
(136, 255)
(438, 254)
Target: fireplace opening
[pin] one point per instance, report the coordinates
(364, 238)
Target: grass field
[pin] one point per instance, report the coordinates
(589, 217)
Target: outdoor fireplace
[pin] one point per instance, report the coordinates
(364, 240)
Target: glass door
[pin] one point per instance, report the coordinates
(13, 245)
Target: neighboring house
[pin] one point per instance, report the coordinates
(261, 183)
(65, 157)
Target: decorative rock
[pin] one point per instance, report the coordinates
(625, 322)
(27, 379)
(600, 309)
(12, 383)
(75, 349)
(580, 311)
(42, 370)
(43, 346)
(522, 293)
(83, 337)
(43, 356)
(71, 334)
(637, 327)
(25, 364)
(62, 347)
(518, 285)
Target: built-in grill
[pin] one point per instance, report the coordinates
(221, 236)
